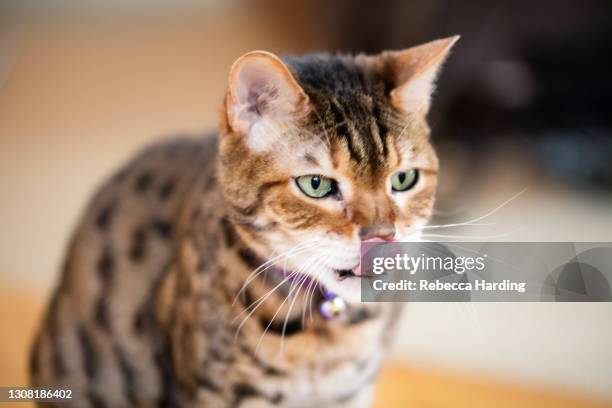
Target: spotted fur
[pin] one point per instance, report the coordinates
(157, 304)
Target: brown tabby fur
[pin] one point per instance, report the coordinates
(149, 310)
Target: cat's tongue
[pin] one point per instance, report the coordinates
(357, 269)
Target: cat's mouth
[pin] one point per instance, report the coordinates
(342, 274)
(355, 271)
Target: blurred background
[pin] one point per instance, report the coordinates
(522, 120)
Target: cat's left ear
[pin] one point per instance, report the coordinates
(262, 91)
(414, 73)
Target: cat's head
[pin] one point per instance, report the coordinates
(318, 153)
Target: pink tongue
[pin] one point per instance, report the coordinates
(357, 270)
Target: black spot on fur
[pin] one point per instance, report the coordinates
(383, 129)
(104, 216)
(244, 391)
(101, 314)
(142, 320)
(208, 384)
(106, 264)
(249, 257)
(163, 359)
(138, 245)
(196, 214)
(88, 353)
(143, 182)
(202, 264)
(229, 234)
(52, 322)
(127, 375)
(266, 368)
(292, 327)
(247, 298)
(209, 183)
(163, 228)
(95, 400)
(59, 366)
(167, 188)
(244, 211)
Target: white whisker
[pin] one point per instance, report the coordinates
(485, 237)
(301, 278)
(282, 341)
(269, 263)
(255, 305)
(475, 220)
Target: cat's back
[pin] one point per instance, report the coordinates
(101, 319)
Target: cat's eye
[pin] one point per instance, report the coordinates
(404, 180)
(316, 186)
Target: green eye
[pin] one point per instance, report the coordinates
(404, 180)
(316, 186)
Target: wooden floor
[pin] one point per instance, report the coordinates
(399, 386)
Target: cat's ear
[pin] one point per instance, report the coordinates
(262, 87)
(414, 71)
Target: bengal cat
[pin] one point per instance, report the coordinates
(199, 273)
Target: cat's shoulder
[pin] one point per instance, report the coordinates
(152, 184)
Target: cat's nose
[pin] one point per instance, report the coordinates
(381, 231)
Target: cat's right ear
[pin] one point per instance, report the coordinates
(262, 92)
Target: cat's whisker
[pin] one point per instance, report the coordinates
(264, 270)
(255, 305)
(447, 213)
(278, 309)
(258, 303)
(439, 226)
(308, 291)
(269, 263)
(403, 130)
(314, 259)
(313, 283)
(398, 121)
(312, 288)
(284, 329)
(301, 278)
(475, 220)
(312, 293)
(483, 237)
(271, 320)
